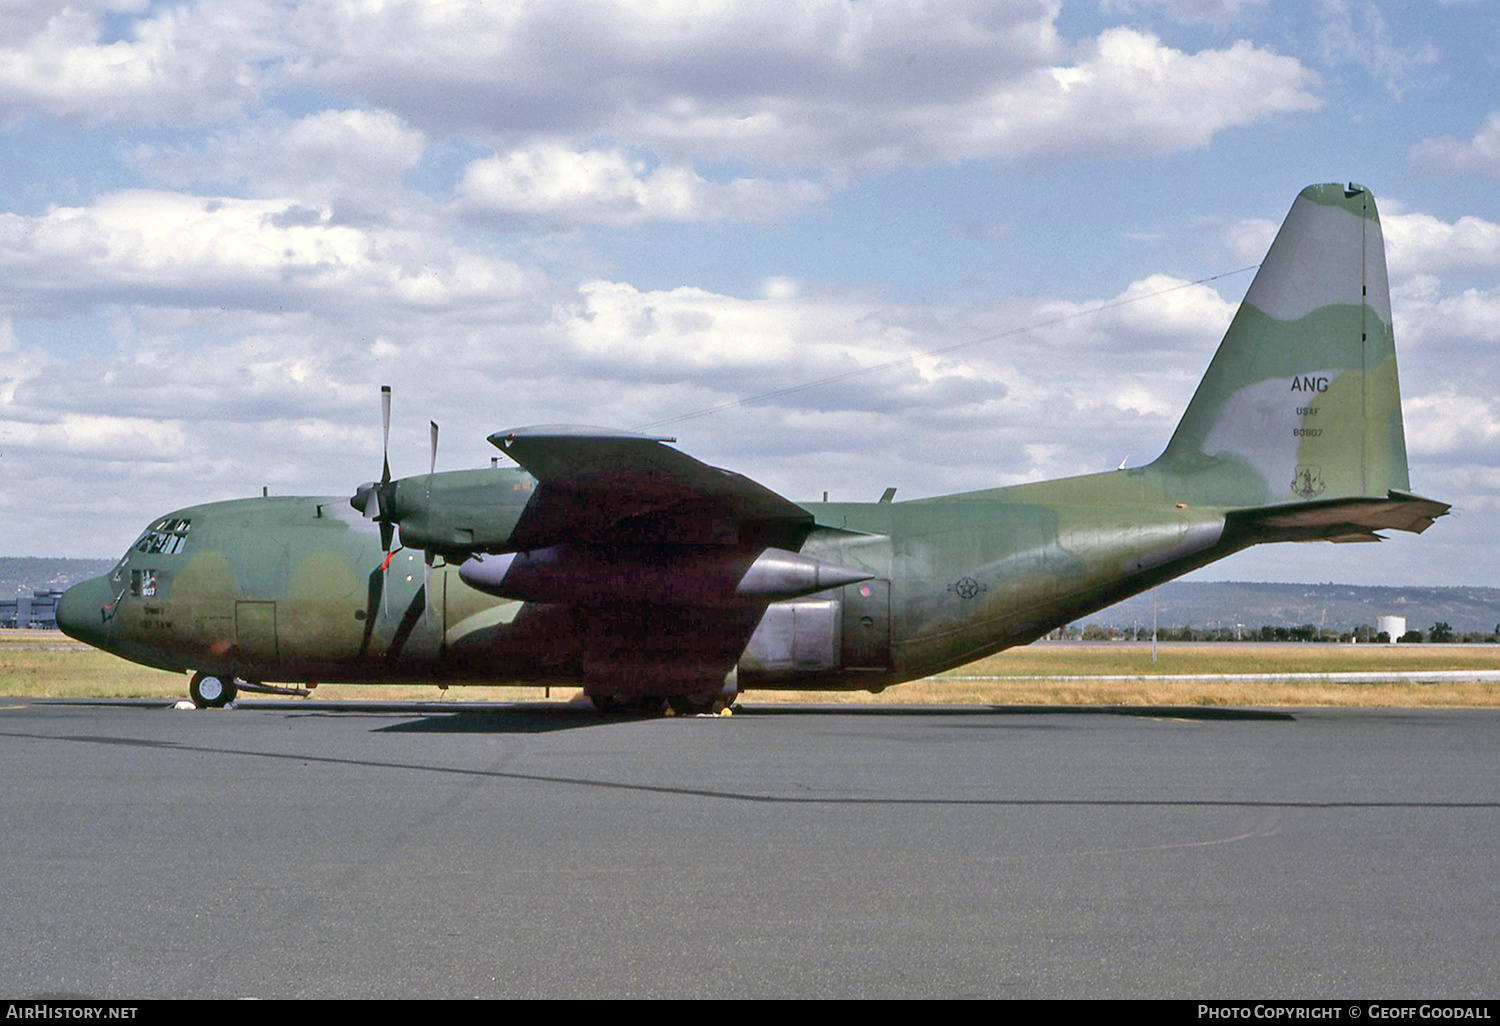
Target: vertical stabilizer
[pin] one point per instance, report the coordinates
(1301, 403)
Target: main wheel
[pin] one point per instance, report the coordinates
(705, 700)
(211, 691)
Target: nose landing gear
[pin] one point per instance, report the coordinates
(211, 691)
(216, 690)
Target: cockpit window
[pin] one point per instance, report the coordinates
(166, 537)
(143, 582)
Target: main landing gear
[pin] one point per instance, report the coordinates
(684, 699)
(685, 705)
(659, 705)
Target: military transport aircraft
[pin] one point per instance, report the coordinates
(613, 561)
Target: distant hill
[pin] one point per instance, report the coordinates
(1206, 605)
(29, 573)
(1212, 604)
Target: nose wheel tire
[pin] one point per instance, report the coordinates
(211, 691)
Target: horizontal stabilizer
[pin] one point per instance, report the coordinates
(1341, 520)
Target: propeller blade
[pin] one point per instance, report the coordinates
(427, 581)
(433, 425)
(385, 576)
(385, 445)
(373, 501)
(387, 536)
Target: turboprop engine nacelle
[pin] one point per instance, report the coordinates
(580, 574)
(453, 513)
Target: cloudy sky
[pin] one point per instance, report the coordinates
(225, 223)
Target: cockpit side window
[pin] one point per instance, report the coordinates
(166, 537)
(143, 583)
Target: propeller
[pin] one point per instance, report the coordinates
(376, 500)
(372, 498)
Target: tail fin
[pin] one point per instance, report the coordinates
(1301, 403)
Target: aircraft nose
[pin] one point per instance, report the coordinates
(80, 611)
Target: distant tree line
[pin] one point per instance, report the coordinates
(1437, 634)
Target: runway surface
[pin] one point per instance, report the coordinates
(290, 850)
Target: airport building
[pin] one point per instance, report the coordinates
(39, 609)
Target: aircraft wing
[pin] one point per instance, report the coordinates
(601, 487)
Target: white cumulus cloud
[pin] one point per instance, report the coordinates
(1420, 243)
(1128, 95)
(1479, 157)
(786, 84)
(349, 156)
(172, 249)
(195, 63)
(554, 184)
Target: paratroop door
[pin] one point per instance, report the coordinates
(867, 626)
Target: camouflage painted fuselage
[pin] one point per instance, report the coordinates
(622, 564)
(279, 589)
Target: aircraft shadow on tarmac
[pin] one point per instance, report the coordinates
(506, 721)
(545, 719)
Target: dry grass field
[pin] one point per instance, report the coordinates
(48, 664)
(1122, 673)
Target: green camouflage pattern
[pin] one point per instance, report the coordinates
(1295, 433)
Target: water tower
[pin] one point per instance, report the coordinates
(1392, 626)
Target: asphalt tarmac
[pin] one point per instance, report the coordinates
(306, 850)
